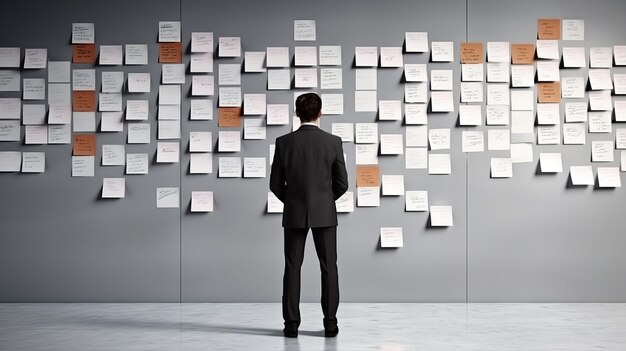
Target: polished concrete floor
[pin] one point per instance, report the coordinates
(257, 327)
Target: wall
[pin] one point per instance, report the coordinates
(518, 239)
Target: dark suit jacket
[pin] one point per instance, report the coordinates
(308, 175)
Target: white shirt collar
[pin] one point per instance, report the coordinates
(309, 124)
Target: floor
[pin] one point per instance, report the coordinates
(257, 327)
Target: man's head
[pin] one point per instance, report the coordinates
(308, 107)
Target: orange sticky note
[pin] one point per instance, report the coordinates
(367, 176)
(549, 28)
(170, 53)
(471, 52)
(84, 101)
(229, 117)
(84, 53)
(549, 92)
(523, 54)
(84, 145)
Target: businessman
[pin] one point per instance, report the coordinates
(308, 175)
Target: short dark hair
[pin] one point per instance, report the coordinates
(308, 107)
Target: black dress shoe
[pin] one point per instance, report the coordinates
(331, 333)
(290, 333)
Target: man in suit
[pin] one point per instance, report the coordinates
(308, 175)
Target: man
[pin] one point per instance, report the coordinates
(308, 175)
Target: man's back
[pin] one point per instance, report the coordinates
(308, 175)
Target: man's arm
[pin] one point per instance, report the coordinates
(277, 176)
(340, 175)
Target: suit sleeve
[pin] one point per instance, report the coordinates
(340, 175)
(277, 175)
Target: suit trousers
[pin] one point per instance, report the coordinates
(325, 239)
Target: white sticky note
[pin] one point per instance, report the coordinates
(304, 30)
(330, 55)
(136, 54)
(550, 162)
(254, 61)
(393, 184)
(416, 201)
(439, 138)
(368, 196)
(473, 141)
(609, 177)
(230, 167)
(136, 163)
(498, 51)
(168, 152)
(201, 42)
(472, 72)
(201, 163)
(113, 188)
(416, 158)
(548, 49)
(111, 54)
(167, 197)
(113, 155)
(581, 175)
(573, 29)
(574, 57)
(521, 153)
(59, 72)
(391, 237)
(602, 151)
(501, 168)
(305, 55)
(366, 79)
(33, 162)
(35, 58)
(59, 134)
(391, 144)
(112, 122)
(229, 141)
(442, 51)
(470, 115)
(601, 57)
(366, 133)
(345, 203)
(278, 79)
(441, 79)
(391, 56)
(169, 31)
(498, 139)
(305, 78)
(201, 109)
(415, 114)
(343, 130)
(365, 101)
(138, 82)
(439, 164)
(254, 167)
(331, 78)
(201, 201)
(441, 216)
(442, 101)
(83, 166)
(229, 46)
(574, 134)
(83, 33)
(274, 205)
(472, 92)
(366, 56)
(416, 41)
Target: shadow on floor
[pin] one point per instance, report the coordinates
(187, 326)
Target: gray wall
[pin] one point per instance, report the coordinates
(528, 238)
